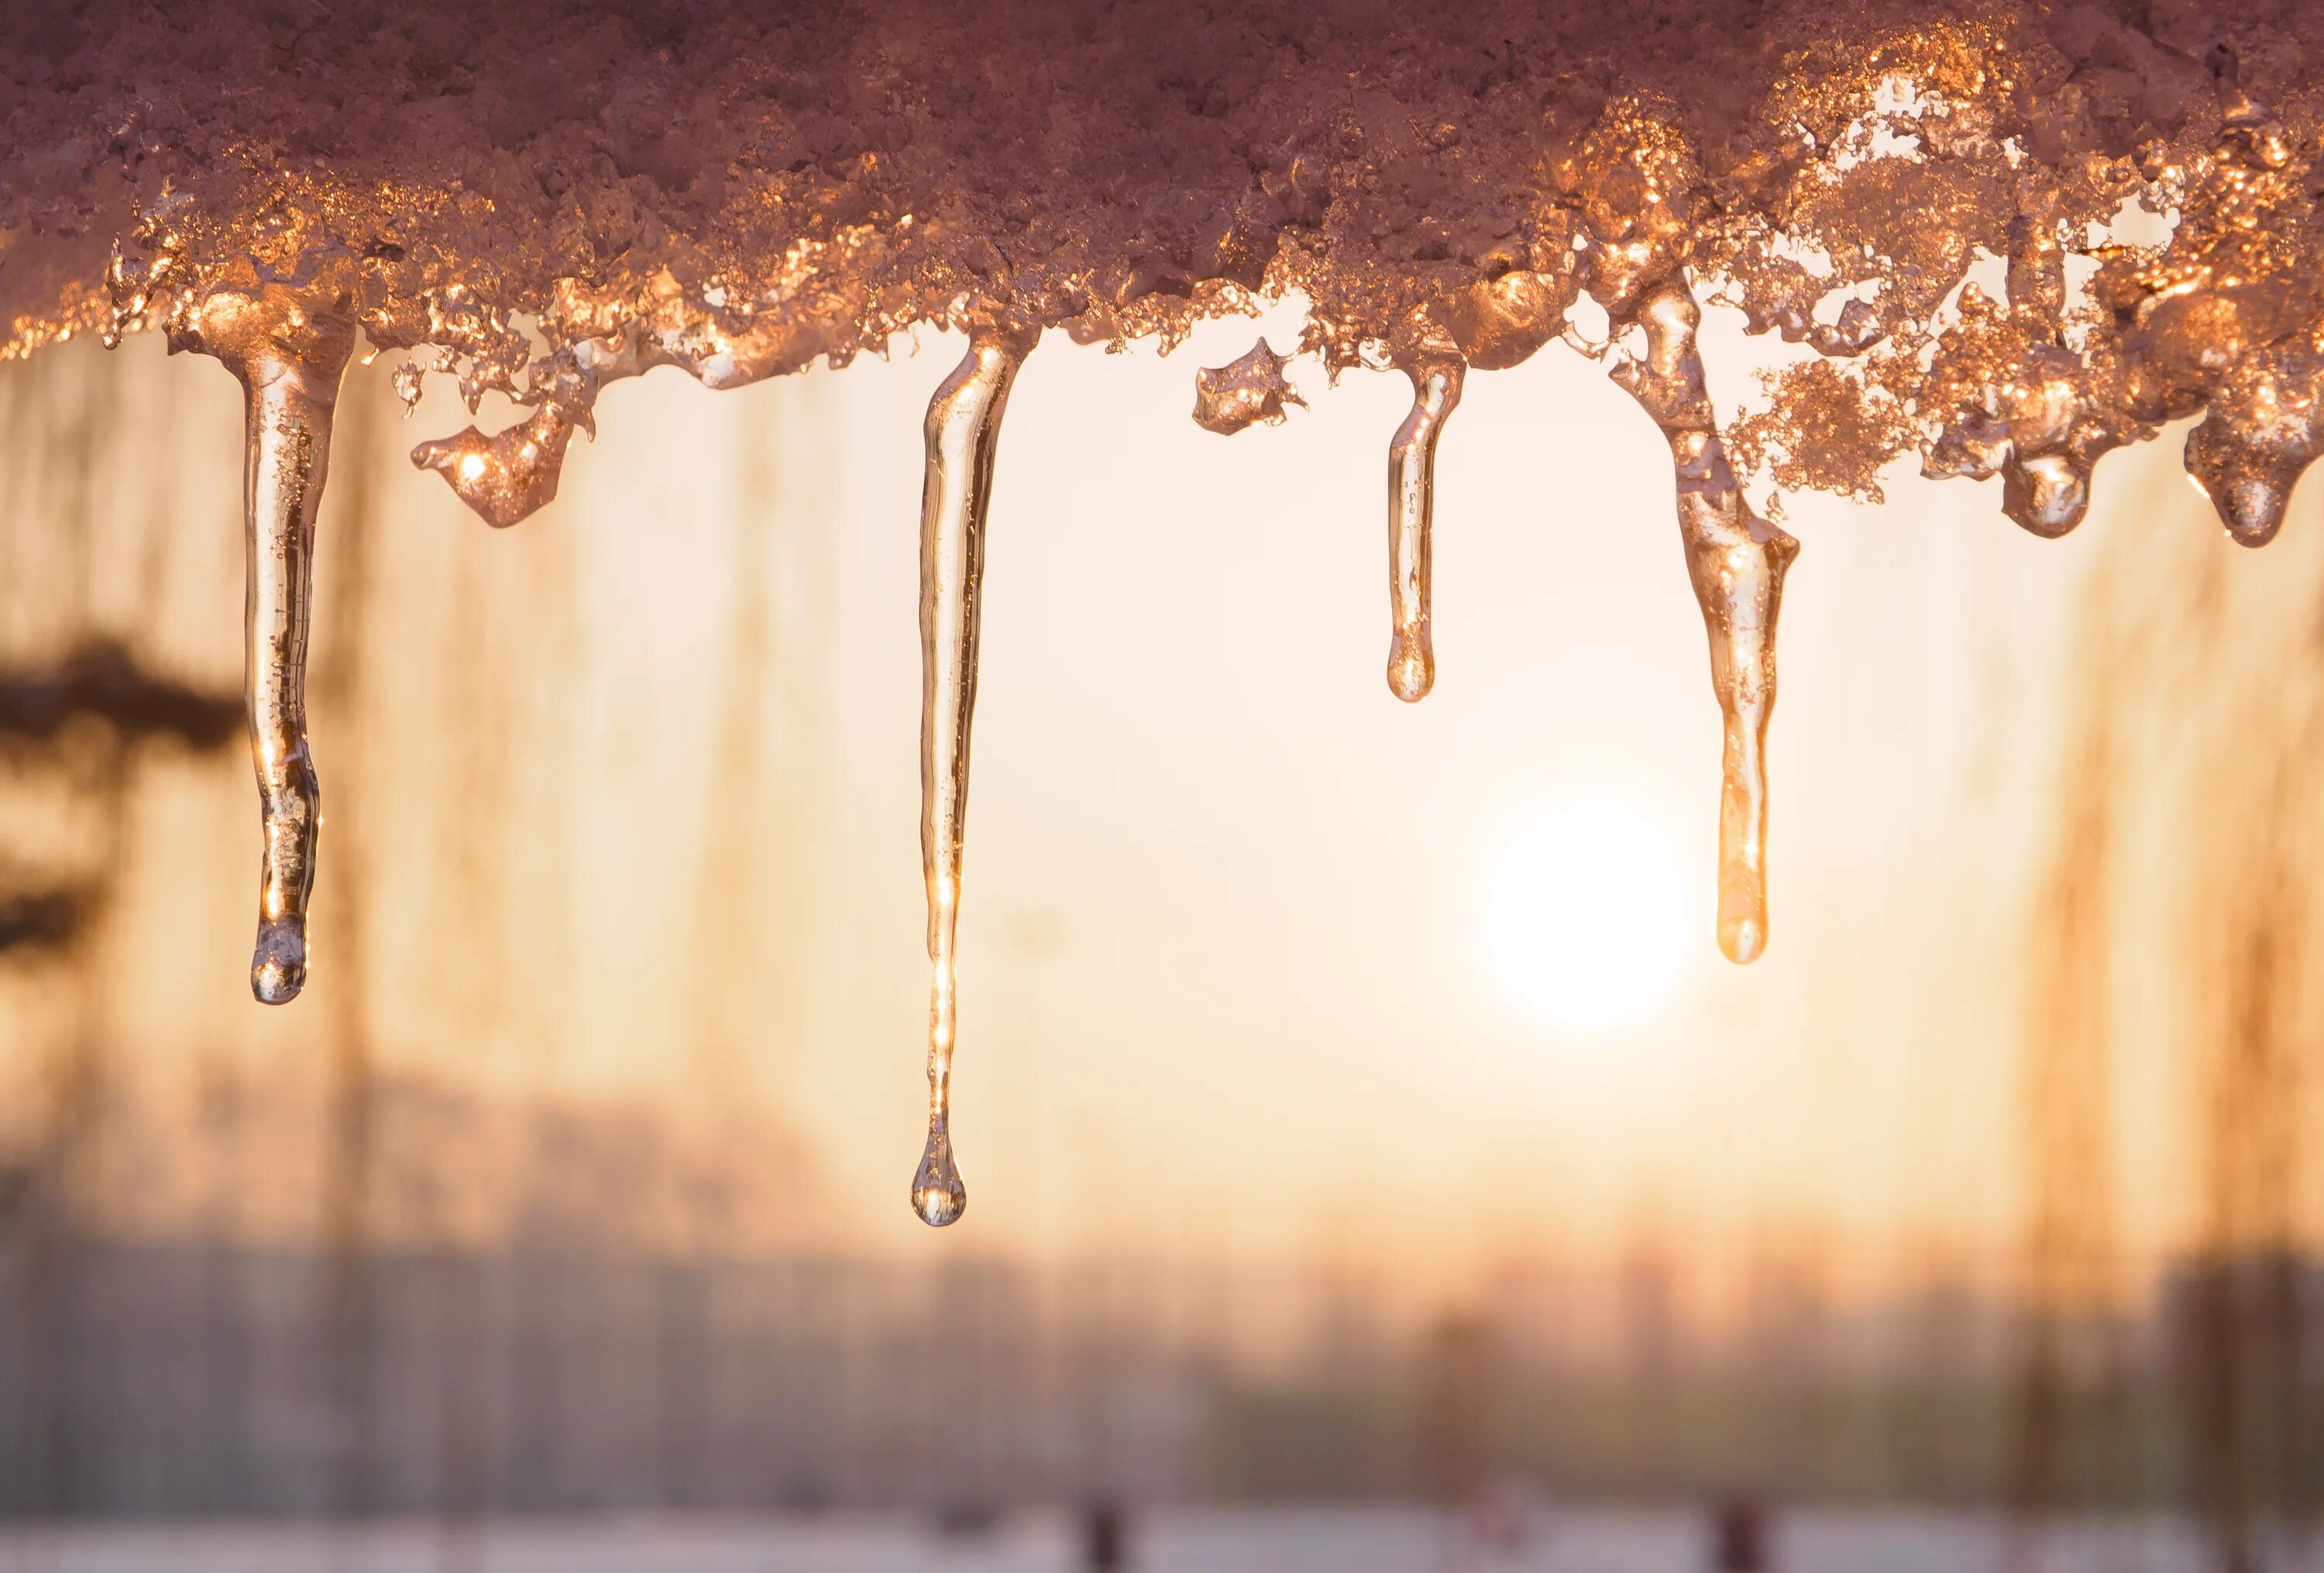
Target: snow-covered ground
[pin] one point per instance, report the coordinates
(1178, 1541)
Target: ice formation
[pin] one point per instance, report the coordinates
(540, 198)
(288, 350)
(1411, 518)
(1737, 560)
(964, 430)
(1245, 393)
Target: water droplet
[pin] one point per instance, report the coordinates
(2250, 478)
(1742, 933)
(2046, 493)
(963, 432)
(937, 1195)
(1411, 514)
(278, 965)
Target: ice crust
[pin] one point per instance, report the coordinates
(554, 195)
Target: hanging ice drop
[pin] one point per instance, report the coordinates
(512, 475)
(507, 477)
(1245, 393)
(1736, 561)
(1411, 518)
(963, 430)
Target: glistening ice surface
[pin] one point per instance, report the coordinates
(2007, 239)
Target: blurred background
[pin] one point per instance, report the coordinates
(1372, 1162)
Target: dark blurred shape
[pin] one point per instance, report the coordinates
(1105, 1537)
(1738, 1537)
(967, 1520)
(2246, 1334)
(1455, 1427)
(46, 919)
(101, 679)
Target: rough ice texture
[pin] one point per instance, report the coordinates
(1244, 392)
(557, 194)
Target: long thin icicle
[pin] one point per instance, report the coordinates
(1736, 561)
(289, 358)
(962, 431)
(1411, 521)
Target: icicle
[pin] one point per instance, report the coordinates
(962, 431)
(1411, 513)
(1736, 561)
(289, 359)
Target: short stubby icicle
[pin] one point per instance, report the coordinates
(1411, 523)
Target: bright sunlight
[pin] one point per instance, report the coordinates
(1586, 915)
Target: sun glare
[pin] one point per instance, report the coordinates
(1585, 915)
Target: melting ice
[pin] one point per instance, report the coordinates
(962, 433)
(1443, 197)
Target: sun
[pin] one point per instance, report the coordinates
(1585, 915)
